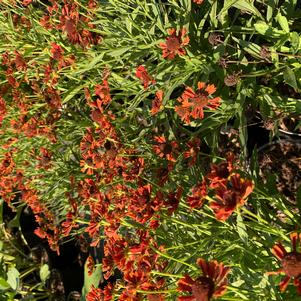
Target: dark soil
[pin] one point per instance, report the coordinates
(282, 159)
(291, 125)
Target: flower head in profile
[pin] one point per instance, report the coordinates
(157, 103)
(193, 103)
(174, 43)
(212, 283)
(290, 261)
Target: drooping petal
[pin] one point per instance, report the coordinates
(279, 251)
(185, 283)
(284, 283)
(294, 238)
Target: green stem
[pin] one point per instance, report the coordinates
(258, 218)
(166, 274)
(157, 292)
(174, 259)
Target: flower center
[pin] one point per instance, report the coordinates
(203, 289)
(222, 170)
(173, 43)
(166, 148)
(291, 264)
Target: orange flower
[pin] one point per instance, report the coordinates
(103, 92)
(212, 284)
(220, 172)
(2, 110)
(198, 197)
(98, 294)
(57, 51)
(143, 75)
(174, 43)
(194, 102)
(290, 261)
(165, 149)
(192, 151)
(157, 102)
(227, 199)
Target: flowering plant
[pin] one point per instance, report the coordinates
(127, 127)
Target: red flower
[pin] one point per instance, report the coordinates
(220, 172)
(26, 2)
(20, 62)
(56, 51)
(193, 103)
(227, 199)
(98, 294)
(103, 92)
(165, 149)
(157, 103)
(212, 284)
(198, 197)
(290, 261)
(2, 110)
(198, 1)
(174, 43)
(193, 151)
(143, 75)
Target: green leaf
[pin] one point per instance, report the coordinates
(94, 279)
(295, 41)
(249, 47)
(241, 229)
(119, 52)
(247, 6)
(6, 257)
(13, 278)
(242, 5)
(44, 272)
(72, 92)
(267, 30)
(298, 108)
(261, 27)
(3, 284)
(283, 22)
(15, 222)
(290, 78)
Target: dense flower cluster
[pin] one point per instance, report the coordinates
(104, 135)
(229, 188)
